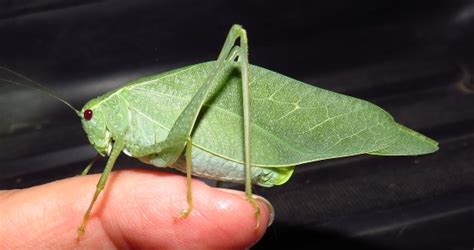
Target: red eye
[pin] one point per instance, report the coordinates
(88, 114)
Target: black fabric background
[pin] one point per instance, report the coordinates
(413, 58)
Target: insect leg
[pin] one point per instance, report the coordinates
(233, 54)
(172, 148)
(189, 169)
(244, 65)
(88, 167)
(117, 148)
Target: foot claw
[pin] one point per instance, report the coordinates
(184, 214)
(257, 217)
(80, 231)
(256, 212)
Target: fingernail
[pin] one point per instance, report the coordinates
(271, 210)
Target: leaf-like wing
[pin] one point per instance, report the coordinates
(292, 122)
(409, 142)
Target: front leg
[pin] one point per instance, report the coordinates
(117, 148)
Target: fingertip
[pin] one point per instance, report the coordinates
(247, 211)
(138, 209)
(235, 215)
(268, 214)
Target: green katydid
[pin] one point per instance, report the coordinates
(228, 120)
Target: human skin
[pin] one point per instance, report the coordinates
(137, 209)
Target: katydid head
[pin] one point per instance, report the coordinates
(93, 122)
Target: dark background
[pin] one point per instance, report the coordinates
(413, 58)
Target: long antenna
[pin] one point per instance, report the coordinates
(36, 86)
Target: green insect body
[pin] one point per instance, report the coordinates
(292, 123)
(231, 121)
